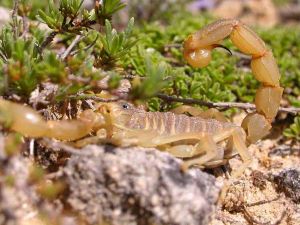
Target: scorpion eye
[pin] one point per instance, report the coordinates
(125, 106)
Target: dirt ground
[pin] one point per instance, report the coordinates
(259, 196)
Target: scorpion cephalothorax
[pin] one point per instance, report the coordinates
(199, 139)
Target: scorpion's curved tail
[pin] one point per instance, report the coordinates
(197, 52)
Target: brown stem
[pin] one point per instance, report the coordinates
(47, 41)
(14, 17)
(72, 45)
(93, 97)
(223, 105)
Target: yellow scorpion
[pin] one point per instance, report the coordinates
(203, 139)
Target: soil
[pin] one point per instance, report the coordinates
(268, 193)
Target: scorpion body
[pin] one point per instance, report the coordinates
(173, 124)
(204, 139)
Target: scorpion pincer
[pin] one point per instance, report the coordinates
(204, 139)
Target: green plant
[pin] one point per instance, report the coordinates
(27, 59)
(154, 80)
(115, 45)
(108, 8)
(18, 56)
(294, 130)
(26, 7)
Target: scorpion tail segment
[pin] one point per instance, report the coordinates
(247, 41)
(22, 119)
(265, 70)
(198, 58)
(198, 48)
(210, 35)
(267, 101)
(256, 127)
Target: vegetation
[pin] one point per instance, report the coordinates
(294, 130)
(85, 53)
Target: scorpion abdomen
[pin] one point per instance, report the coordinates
(168, 123)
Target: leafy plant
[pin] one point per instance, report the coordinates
(108, 8)
(28, 62)
(294, 130)
(27, 8)
(115, 45)
(19, 55)
(154, 80)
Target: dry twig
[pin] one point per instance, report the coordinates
(77, 39)
(47, 41)
(93, 97)
(223, 105)
(14, 17)
(86, 48)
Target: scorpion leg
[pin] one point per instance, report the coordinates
(235, 133)
(216, 163)
(181, 151)
(239, 145)
(101, 137)
(241, 148)
(207, 114)
(205, 145)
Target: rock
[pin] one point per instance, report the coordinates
(5, 16)
(251, 12)
(17, 196)
(288, 181)
(137, 186)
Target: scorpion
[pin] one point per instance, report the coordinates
(203, 139)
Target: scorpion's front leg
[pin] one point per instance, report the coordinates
(28, 122)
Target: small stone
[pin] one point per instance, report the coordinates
(288, 181)
(259, 179)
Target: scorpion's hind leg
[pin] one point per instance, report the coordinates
(211, 113)
(206, 148)
(206, 145)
